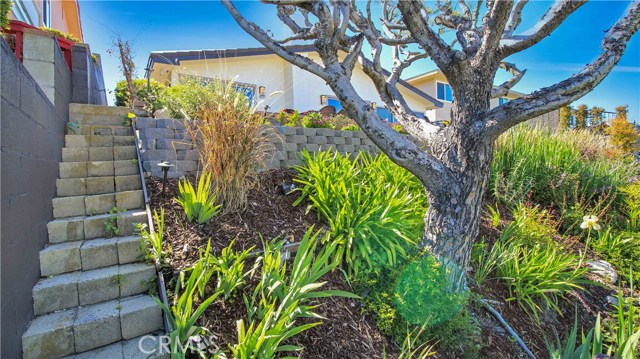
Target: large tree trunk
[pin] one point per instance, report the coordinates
(453, 219)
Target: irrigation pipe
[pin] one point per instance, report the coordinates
(507, 327)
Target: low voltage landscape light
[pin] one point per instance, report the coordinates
(165, 165)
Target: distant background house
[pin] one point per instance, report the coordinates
(60, 15)
(259, 73)
(436, 84)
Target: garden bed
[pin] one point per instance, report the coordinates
(348, 330)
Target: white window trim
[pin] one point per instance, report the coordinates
(445, 92)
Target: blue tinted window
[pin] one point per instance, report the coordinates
(440, 91)
(386, 115)
(335, 103)
(502, 100)
(247, 90)
(448, 95)
(444, 92)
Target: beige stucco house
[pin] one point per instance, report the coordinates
(271, 81)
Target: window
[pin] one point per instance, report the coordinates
(444, 92)
(502, 101)
(335, 103)
(46, 13)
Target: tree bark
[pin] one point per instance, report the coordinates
(452, 221)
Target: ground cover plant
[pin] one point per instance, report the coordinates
(533, 269)
(373, 219)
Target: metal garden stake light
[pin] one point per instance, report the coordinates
(165, 169)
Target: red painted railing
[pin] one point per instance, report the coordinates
(16, 28)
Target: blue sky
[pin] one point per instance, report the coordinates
(184, 25)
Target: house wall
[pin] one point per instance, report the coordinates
(31, 138)
(65, 15)
(268, 71)
(301, 90)
(308, 88)
(429, 85)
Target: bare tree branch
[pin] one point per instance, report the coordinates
(494, 22)
(556, 14)
(514, 18)
(441, 53)
(550, 98)
(397, 147)
(504, 88)
(262, 36)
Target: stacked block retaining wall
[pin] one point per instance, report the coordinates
(168, 140)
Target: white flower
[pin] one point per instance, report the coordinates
(590, 222)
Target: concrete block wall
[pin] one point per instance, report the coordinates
(31, 138)
(88, 81)
(289, 141)
(168, 140)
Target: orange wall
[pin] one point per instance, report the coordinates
(65, 15)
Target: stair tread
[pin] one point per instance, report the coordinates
(88, 287)
(84, 328)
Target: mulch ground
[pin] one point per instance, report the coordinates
(346, 332)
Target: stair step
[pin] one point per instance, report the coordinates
(136, 348)
(80, 329)
(81, 109)
(89, 227)
(88, 287)
(98, 169)
(69, 187)
(84, 154)
(98, 141)
(100, 120)
(91, 205)
(122, 129)
(90, 254)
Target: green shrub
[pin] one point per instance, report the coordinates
(486, 260)
(622, 250)
(374, 208)
(459, 335)
(289, 119)
(340, 122)
(230, 269)
(353, 127)
(315, 120)
(423, 294)
(183, 313)
(576, 172)
(5, 9)
(631, 208)
(154, 100)
(198, 205)
(539, 275)
(193, 96)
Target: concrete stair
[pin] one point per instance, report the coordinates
(92, 300)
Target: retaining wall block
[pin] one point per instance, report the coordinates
(146, 122)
